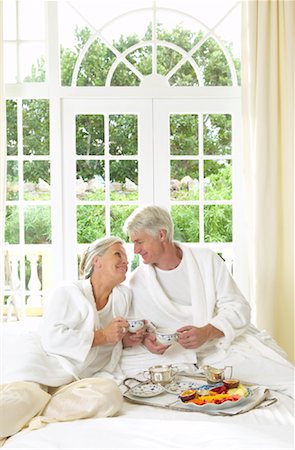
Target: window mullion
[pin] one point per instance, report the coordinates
(21, 209)
(201, 178)
(107, 173)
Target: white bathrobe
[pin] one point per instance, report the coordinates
(64, 351)
(215, 299)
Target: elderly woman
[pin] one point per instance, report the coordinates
(83, 324)
(81, 338)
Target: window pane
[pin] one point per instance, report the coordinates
(184, 134)
(37, 180)
(31, 20)
(186, 223)
(36, 127)
(218, 223)
(90, 134)
(32, 62)
(166, 59)
(37, 221)
(12, 180)
(124, 180)
(141, 59)
(90, 180)
(119, 213)
(120, 30)
(11, 124)
(90, 223)
(123, 76)
(123, 134)
(217, 134)
(178, 29)
(96, 63)
(9, 24)
(184, 76)
(214, 66)
(184, 183)
(12, 225)
(10, 62)
(218, 180)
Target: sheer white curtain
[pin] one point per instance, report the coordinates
(2, 162)
(268, 53)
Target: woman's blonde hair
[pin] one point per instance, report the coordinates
(97, 248)
(150, 219)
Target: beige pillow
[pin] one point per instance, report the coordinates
(90, 397)
(19, 402)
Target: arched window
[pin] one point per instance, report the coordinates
(162, 56)
(118, 108)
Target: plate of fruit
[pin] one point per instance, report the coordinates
(220, 396)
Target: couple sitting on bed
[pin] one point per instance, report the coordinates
(84, 331)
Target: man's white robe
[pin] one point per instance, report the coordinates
(215, 299)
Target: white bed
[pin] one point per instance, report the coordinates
(139, 426)
(146, 427)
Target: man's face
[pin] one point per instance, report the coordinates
(149, 248)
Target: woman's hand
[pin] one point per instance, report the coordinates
(112, 333)
(151, 343)
(133, 339)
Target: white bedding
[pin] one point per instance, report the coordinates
(145, 427)
(149, 427)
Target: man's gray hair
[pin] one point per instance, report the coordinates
(150, 219)
(97, 248)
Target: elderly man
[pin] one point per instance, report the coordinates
(190, 291)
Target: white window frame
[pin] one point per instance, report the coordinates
(70, 108)
(151, 97)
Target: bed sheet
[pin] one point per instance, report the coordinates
(147, 427)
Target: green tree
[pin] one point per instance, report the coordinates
(93, 72)
(90, 139)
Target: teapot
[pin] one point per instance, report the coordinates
(216, 375)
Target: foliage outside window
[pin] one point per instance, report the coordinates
(123, 140)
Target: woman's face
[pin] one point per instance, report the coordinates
(113, 263)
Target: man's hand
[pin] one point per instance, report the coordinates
(151, 343)
(193, 337)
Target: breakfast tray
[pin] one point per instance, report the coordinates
(260, 397)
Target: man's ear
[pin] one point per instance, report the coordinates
(162, 235)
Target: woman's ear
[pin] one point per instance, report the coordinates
(96, 262)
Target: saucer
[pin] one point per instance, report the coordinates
(146, 390)
(176, 387)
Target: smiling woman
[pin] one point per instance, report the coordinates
(82, 331)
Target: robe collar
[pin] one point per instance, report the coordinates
(198, 310)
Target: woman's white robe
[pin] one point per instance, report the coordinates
(64, 351)
(215, 299)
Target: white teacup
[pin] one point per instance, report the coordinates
(166, 336)
(135, 325)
